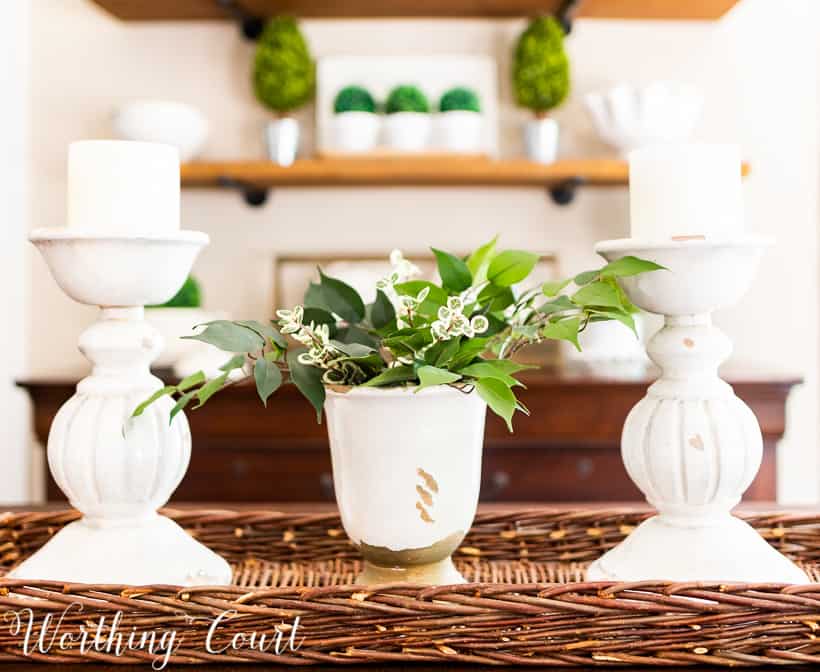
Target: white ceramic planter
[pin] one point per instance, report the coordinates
(164, 121)
(114, 469)
(407, 472)
(282, 140)
(541, 140)
(356, 132)
(460, 131)
(407, 131)
(691, 445)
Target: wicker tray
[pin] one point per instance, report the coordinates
(527, 604)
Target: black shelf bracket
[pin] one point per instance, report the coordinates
(249, 25)
(566, 14)
(564, 192)
(254, 196)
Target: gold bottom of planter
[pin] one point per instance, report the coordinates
(431, 565)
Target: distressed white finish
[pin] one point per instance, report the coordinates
(115, 469)
(379, 440)
(691, 445)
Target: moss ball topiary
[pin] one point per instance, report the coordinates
(406, 98)
(284, 75)
(354, 99)
(459, 98)
(188, 296)
(540, 66)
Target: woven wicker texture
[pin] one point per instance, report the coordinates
(527, 603)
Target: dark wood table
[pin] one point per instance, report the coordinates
(567, 450)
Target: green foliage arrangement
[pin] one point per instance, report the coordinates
(406, 98)
(459, 98)
(188, 296)
(354, 99)
(460, 332)
(540, 66)
(284, 75)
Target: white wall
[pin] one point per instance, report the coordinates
(760, 87)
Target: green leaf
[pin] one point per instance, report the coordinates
(511, 266)
(314, 298)
(229, 336)
(600, 293)
(342, 299)
(564, 330)
(235, 362)
(467, 352)
(557, 305)
(489, 369)
(586, 277)
(268, 378)
(308, 380)
(382, 312)
(629, 265)
(442, 352)
(510, 367)
(397, 374)
(553, 288)
(356, 335)
(479, 261)
(430, 376)
(320, 316)
(622, 317)
(209, 389)
(163, 392)
(353, 349)
(454, 273)
(266, 331)
(499, 397)
(194, 379)
(495, 298)
(182, 402)
(436, 298)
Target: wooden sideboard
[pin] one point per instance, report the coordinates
(567, 450)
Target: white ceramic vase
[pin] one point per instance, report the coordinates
(282, 140)
(407, 131)
(407, 472)
(356, 132)
(460, 131)
(541, 139)
(691, 445)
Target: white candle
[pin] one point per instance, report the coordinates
(685, 191)
(123, 188)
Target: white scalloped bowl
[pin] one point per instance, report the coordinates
(166, 121)
(629, 117)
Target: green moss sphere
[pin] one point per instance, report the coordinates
(284, 75)
(406, 98)
(189, 296)
(354, 99)
(459, 98)
(540, 66)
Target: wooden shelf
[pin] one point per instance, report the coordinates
(416, 171)
(175, 10)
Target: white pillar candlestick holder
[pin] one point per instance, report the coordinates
(690, 444)
(115, 469)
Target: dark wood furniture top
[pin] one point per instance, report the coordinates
(567, 450)
(159, 10)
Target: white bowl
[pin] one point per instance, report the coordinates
(629, 117)
(166, 121)
(173, 324)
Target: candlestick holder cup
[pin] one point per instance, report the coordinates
(116, 469)
(691, 445)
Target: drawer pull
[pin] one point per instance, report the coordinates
(498, 482)
(326, 486)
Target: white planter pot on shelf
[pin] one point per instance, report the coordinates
(407, 131)
(460, 131)
(282, 140)
(407, 471)
(165, 121)
(356, 132)
(541, 140)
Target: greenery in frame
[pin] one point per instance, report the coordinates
(284, 74)
(188, 296)
(406, 98)
(540, 70)
(459, 98)
(461, 331)
(354, 99)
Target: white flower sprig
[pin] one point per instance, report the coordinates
(452, 322)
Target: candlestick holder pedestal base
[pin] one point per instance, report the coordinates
(691, 445)
(115, 469)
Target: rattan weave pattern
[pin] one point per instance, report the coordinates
(527, 603)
